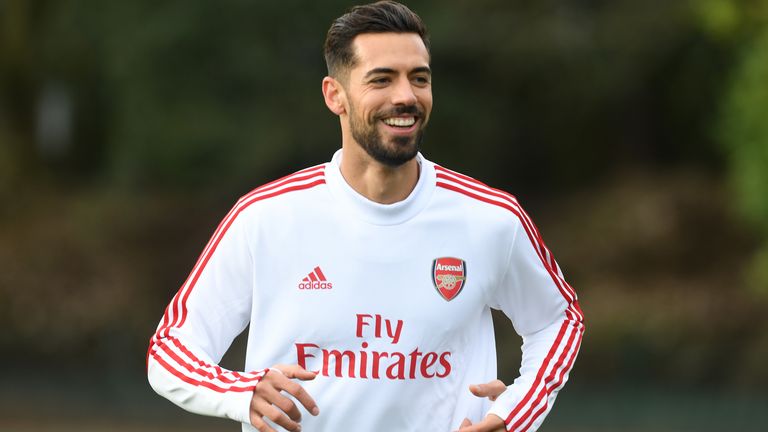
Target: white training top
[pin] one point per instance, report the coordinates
(390, 304)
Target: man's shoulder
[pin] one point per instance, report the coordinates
(462, 186)
(302, 180)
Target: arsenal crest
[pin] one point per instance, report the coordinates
(449, 275)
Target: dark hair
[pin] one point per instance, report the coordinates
(381, 17)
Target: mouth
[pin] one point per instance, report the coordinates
(401, 124)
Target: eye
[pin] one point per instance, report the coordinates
(380, 80)
(421, 80)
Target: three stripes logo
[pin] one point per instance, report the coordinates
(315, 280)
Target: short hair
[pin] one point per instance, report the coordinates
(384, 16)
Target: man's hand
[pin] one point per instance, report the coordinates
(491, 390)
(268, 402)
(491, 423)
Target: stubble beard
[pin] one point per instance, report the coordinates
(400, 150)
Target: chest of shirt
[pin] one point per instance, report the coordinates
(421, 284)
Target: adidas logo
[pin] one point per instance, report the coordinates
(315, 280)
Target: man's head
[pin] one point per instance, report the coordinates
(379, 80)
(380, 17)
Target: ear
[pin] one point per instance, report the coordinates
(334, 95)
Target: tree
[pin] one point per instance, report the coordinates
(744, 134)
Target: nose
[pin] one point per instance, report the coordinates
(403, 94)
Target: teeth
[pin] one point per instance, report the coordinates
(400, 121)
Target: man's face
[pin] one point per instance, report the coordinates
(390, 95)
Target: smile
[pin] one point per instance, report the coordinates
(400, 121)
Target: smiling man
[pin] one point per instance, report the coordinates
(368, 281)
(380, 87)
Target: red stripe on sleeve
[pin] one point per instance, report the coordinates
(555, 371)
(176, 313)
(559, 382)
(195, 382)
(540, 373)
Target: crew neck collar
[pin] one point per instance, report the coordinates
(376, 213)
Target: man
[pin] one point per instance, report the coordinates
(368, 281)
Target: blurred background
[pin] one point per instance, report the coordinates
(634, 132)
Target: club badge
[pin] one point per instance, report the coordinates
(449, 276)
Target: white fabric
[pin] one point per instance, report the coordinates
(378, 304)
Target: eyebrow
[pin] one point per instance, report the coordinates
(390, 71)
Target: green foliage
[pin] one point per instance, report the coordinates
(208, 94)
(744, 133)
(719, 17)
(227, 94)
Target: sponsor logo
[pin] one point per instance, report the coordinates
(381, 354)
(315, 280)
(366, 363)
(449, 276)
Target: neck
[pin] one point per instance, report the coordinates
(378, 182)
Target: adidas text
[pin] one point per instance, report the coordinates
(315, 285)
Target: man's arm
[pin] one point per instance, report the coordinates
(544, 310)
(209, 311)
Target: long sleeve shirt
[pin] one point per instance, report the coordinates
(389, 304)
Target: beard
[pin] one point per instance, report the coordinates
(399, 149)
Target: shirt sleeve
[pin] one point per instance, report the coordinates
(211, 308)
(545, 312)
